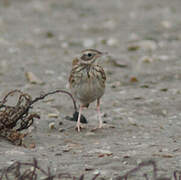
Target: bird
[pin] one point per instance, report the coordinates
(87, 81)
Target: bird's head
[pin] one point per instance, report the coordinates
(89, 56)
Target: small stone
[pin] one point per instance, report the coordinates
(96, 172)
(163, 58)
(89, 168)
(51, 125)
(32, 146)
(88, 43)
(146, 59)
(144, 86)
(116, 84)
(126, 156)
(31, 129)
(61, 130)
(139, 161)
(166, 24)
(3, 66)
(133, 47)
(110, 24)
(133, 79)
(112, 42)
(164, 89)
(90, 134)
(102, 40)
(134, 37)
(32, 78)
(105, 115)
(14, 152)
(60, 123)
(49, 34)
(101, 152)
(64, 45)
(148, 45)
(113, 62)
(125, 162)
(167, 155)
(66, 148)
(49, 72)
(53, 115)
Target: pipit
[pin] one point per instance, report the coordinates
(87, 81)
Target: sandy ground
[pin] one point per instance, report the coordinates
(142, 103)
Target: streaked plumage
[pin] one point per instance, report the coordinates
(87, 79)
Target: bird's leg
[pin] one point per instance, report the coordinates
(78, 125)
(99, 113)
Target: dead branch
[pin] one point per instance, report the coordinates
(33, 171)
(15, 118)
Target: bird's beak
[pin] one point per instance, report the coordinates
(104, 54)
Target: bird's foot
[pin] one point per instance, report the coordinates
(79, 126)
(97, 128)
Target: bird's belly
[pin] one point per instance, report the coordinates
(89, 90)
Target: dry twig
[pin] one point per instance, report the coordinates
(32, 171)
(14, 119)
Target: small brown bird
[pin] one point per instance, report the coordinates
(87, 81)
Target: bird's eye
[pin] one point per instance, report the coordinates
(89, 54)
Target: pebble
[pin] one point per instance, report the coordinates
(148, 44)
(166, 24)
(32, 146)
(101, 151)
(112, 42)
(88, 43)
(139, 161)
(15, 152)
(110, 60)
(133, 47)
(134, 37)
(89, 168)
(96, 172)
(163, 57)
(61, 130)
(132, 121)
(164, 112)
(125, 162)
(32, 78)
(53, 115)
(31, 129)
(51, 125)
(116, 84)
(90, 134)
(64, 45)
(3, 66)
(146, 59)
(145, 45)
(49, 72)
(110, 24)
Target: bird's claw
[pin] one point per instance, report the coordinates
(79, 127)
